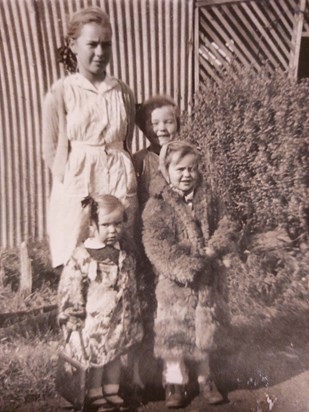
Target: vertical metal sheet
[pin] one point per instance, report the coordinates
(152, 52)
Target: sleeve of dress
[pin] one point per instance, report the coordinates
(50, 125)
(170, 257)
(70, 288)
(129, 101)
(54, 138)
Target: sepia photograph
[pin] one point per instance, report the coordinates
(154, 205)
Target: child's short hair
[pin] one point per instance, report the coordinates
(107, 202)
(144, 110)
(168, 150)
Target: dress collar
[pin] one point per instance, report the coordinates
(92, 243)
(107, 84)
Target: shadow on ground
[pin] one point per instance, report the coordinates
(258, 369)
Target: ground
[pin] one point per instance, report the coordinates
(259, 373)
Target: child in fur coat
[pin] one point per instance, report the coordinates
(98, 294)
(158, 118)
(182, 237)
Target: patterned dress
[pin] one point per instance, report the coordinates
(96, 127)
(106, 291)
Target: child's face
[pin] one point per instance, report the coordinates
(163, 125)
(110, 226)
(93, 49)
(183, 173)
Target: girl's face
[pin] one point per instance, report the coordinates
(110, 226)
(183, 173)
(163, 125)
(93, 50)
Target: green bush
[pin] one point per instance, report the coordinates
(254, 130)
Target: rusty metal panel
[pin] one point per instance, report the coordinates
(247, 32)
(152, 52)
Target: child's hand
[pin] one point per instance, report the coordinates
(74, 323)
(72, 319)
(210, 251)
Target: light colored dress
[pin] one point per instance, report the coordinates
(107, 293)
(96, 128)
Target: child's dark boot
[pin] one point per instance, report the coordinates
(210, 392)
(175, 396)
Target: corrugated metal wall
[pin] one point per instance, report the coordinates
(249, 33)
(152, 52)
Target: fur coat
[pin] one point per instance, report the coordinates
(107, 295)
(174, 238)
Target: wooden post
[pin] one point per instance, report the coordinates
(2, 273)
(296, 39)
(25, 285)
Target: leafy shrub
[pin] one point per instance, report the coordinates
(253, 132)
(253, 129)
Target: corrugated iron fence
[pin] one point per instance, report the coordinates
(248, 32)
(152, 52)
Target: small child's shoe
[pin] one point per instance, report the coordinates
(210, 392)
(98, 403)
(117, 401)
(175, 396)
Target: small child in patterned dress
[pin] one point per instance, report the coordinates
(98, 294)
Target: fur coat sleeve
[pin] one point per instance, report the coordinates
(171, 257)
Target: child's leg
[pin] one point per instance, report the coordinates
(95, 382)
(95, 398)
(137, 380)
(203, 371)
(175, 377)
(207, 386)
(111, 377)
(111, 381)
(175, 372)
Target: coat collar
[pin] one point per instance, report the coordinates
(194, 224)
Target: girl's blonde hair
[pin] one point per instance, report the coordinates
(175, 147)
(85, 16)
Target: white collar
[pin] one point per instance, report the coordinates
(107, 84)
(189, 196)
(93, 243)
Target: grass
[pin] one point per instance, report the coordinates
(260, 319)
(27, 357)
(27, 370)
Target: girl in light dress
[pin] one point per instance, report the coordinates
(88, 121)
(97, 294)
